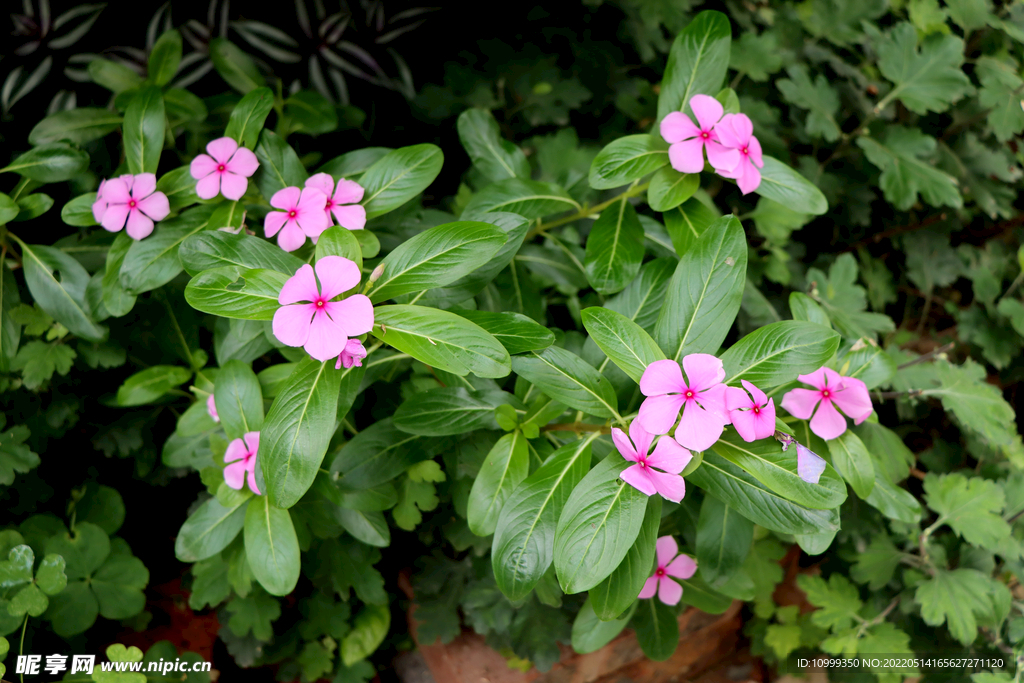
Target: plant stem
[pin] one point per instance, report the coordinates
(586, 211)
(909, 393)
(928, 356)
(576, 427)
(21, 650)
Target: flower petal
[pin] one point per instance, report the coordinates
(347, 192)
(809, 465)
(854, 399)
(669, 456)
(235, 451)
(274, 221)
(252, 442)
(641, 438)
(658, 413)
(722, 157)
(816, 379)
(299, 287)
(233, 186)
(666, 549)
(670, 592)
(337, 275)
(287, 198)
(291, 237)
(662, 377)
(754, 147)
(669, 486)
(687, 156)
(155, 206)
(208, 187)
(624, 445)
(321, 181)
(211, 408)
(143, 185)
(703, 371)
(116, 191)
(114, 217)
(139, 226)
(202, 166)
(736, 398)
(698, 429)
(765, 421)
(221, 149)
(683, 567)
(745, 423)
(234, 475)
(800, 402)
(827, 422)
(750, 179)
(760, 398)
(677, 127)
(353, 315)
(291, 323)
(707, 109)
(650, 588)
(350, 216)
(243, 162)
(252, 481)
(640, 479)
(327, 338)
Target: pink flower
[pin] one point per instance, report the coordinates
(809, 465)
(342, 200)
(668, 456)
(302, 213)
(848, 393)
(688, 141)
(702, 400)
(736, 131)
(133, 198)
(225, 170)
(211, 408)
(670, 563)
(99, 206)
(352, 355)
(309, 318)
(753, 418)
(242, 456)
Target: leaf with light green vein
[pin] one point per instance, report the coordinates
(929, 79)
(146, 386)
(504, 468)
(441, 339)
(77, 212)
(209, 530)
(776, 353)
(742, 492)
(852, 460)
(775, 468)
(50, 163)
(902, 157)
(367, 526)
(353, 164)
(957, 598)
(297, 431)
(641, 301)
(970, 506)
(615, 248)
(515, 331)
(271, 546)
(782, 184)
(687, 222)
(236, 67)
(153, 262)
(612, 597)
(894, 502)
(590, 634)
(451, 410)
(437, 257)
(723, 541)
(669, 188)
(807, 309)
(216, 249)
(144, 121)
(818, 97)
(528, 198)
(279, 165)
(180, 188)
(235, 293)
(248, 116)
(705, 292)
(568, 379)
(627, 159)
(57, 283)
(523, 544)
(165, 57)
(698, 593)
(1001, 88)
(239, 399)
(869, 363)
(622, 340)
(399, 176)
(598, 525)
(78, 126)
(377, 455)
(495, 157)
(553, 264)
(697, 62)
(340, 241)
(657, 628)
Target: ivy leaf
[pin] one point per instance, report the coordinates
(837, 600)
(877, 563)
(38, 361)
(757, 56)
(1002, 91)
(956, 598)
(817, 96)
(839, 21)
(905, 174)
(254, 614)
(929, 79)
(844, 300)
(15, 456)
(782, 638)
(970, 507)
(36, 320)
(414, 496)
(345, 565)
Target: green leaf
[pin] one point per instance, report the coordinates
(215, 249)
(528, 198)
(723, 541)
(837, 600)
(165, 57)
(368, 526)
(515, 331)
(612, 597)
(893, 501)
(368, 631)
(17, 568)
(687, 222)
(852, 460)
(844, 300)
(399, 176)
(377, 455)
(339, 241)
(782, 184)
(698, 593)
(235, 293)
(144, 121)
(657, 628)
(441, 339)
(180, 188)
(9, 209)
(450, 410)
(599, 523)
(309, 112)
(15, 456)
(57, 283)
(248, 117)
(437, 257)
(49, 163)
(970, 506)
(78, 212)
(77, 126)
(502, 471)
(523, 545)
(905, 173)
(615, 248)
(774, 354)
(118, 586)
(153, 262)
(239, 399)
(758, 56)
(590, 634)
(33, 206)
(38, 360)
(877, 563)
(819, 99)
(869, 363)
(568, 379)
(149, 385)
(271, 546)
(622, 340)
(669, 188)
(279, 165)
(113, 76)
(353, 164)
(235, 66)
(956, 598)
(496, 158)
(627, 159)
(209, 530)
(1001, 89)
(697, 62)
(925, 80)
(297, 431)
(705, 292)
(253, 613)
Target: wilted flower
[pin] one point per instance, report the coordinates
(352, 355)
(830, 390)
(670, 563)
(668, 456)
(226, 169)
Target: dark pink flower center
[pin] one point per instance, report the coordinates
(291, 214)
(757, 409)
(704, 134)
(746, 151)
(248, 456)
(320, 303)
(131, 203)
(659, 572)
(689, 393)
(221, 168)
(642, 462)
(825, 393)
(329, 204)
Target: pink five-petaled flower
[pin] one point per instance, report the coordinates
(736, 131)
(670, 563)
(342, 200)
(352, 355)
(753, 418)
(830, 389)
(242, 456)
(309, 318)
(302, 213)
(688, 142)
(133, 198)
(668, 456)
(225, 169)
(211, 408)
(702, 400)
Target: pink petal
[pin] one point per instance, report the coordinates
(640, 479)
(809, 465)
(750, 179)
(114, 217)
(745, 423)
(143, 185)
(707, 109)
(347, 192)
(800, 402)
(291, 323)
(351, 216)
(669, 486)
(353, 315)
(321, 181)
(99, 207)
(116, 191)
(703, 371)
(759, 396)
(827, 422)
(754, 147)
(624, 445)
(765, 421)
(252, 442)
(662, 377)
(99, 190)
(211, 408)
(713, 400)
(221, 149)
(299, 287)
(726, 133)
(313, 224)
(312, 200)
(233, 186)
(854, 399)
(202, 166)
(274, 221)
(291, 237)
(736, 398)
(312, 218)
(721, 157)
(252, 482)
(287, 198)
(683, 567)
(818, 379)
(155, 206)
(687, 156)
(337, 275)
(650, 588)
(666, 549)
(698, 429)
(236, 451)
(669, 456)
(326, 339)
(658, 413)
(234, 475)
(670, 592)
(243, 162)
(209, 187)
(353, 354)
(139, 227)
(677, 127)
(641, 438)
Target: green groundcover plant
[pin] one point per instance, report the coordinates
(776, 306)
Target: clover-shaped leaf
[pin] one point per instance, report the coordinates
(30, 599)
(17, 569)
(120, 653)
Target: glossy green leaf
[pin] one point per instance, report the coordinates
(495, 157)
(399, 176)
(78, 212)
(235, 66)
(368, 632)
(165, 57)
(505, 466)
(249, 115)
(723, 541)
(782, 184)
(271, 546)
(851, 459)
(353, 164)
(567, 378)
(113, 76)
(697, 62)
(869, 363)
(669, 188)
(216, 249)
(57, 283)
(279, 165)
(450, 410)
(49, 163)
(516, 332)
(528, 198)
(367, 526)
(235, 293)
(307, 111)
(144, 121)
(611, 598)
(33, 206)
(657, 628)
(590, 634)
(339, 241)
(209, 530)
(180, 188)
(9, 209)
(698, 593)
(377, 455)
(238, 399)
(147, 386)
(627, 159)
(622, 340)
(153, 262)
(807, 309)
(778, 352)
(116, 300)
(77, 126)
(615, 248)
(687, 222)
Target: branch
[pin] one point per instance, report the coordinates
(891, 232)
(928, 356)
(586, 211)
(909, 393)
(576, 427)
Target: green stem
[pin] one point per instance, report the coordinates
(21, 650)
(587, 211)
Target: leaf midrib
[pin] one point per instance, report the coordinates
(611, 504)
(703, 292)
(587, 389)
(408, 169)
